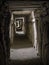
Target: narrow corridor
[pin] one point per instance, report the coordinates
(23, 48)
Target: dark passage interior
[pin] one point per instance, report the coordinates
(24, 32)
(24, 37)
(21, 42)
(21, 30)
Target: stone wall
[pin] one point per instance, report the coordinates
(45, 34)
(30, 31)
(38, 27)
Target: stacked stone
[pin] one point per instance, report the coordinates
(45, 32)
(4, 33)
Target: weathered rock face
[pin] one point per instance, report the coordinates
(42, 31)
(4, 34)
(45, 35)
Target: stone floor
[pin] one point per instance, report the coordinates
(24, 56)
(35, 61)
(23, 53)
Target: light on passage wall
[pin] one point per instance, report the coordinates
(33, 14)
(35, 31)
(33, 17)
(33, 20)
